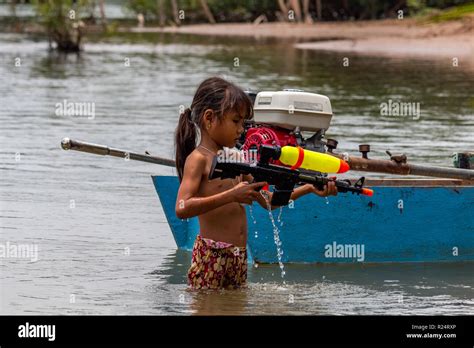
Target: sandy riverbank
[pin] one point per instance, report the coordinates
(399, 38)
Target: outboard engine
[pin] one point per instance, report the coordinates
(288, 117)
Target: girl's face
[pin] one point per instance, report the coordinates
(226, 132)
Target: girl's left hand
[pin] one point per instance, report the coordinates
(329, 190)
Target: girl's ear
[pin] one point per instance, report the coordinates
(208, 116)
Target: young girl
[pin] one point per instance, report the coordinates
(218, 112)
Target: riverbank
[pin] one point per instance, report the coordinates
(406, 38)
(400, 38)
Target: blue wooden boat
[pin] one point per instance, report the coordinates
(407, 220)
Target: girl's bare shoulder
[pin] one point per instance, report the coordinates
(196, 160)
(196, 156)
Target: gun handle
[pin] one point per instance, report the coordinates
(281, 197)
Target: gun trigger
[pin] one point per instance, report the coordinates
(360, 183)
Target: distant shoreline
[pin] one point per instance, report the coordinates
(405, 38)
(399, 38)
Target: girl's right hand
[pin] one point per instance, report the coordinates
(246, 193)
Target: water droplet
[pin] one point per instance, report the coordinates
(279, 214)
(251, 214)
(327, 200)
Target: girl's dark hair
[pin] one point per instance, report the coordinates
(213, 93)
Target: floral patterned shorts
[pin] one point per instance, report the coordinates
(217, 265)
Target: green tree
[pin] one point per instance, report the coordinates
(62, 20)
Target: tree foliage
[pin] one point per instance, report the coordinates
(62, 20)
(249, 10)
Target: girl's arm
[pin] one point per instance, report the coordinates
(188, 205)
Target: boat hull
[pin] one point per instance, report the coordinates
(400, 223)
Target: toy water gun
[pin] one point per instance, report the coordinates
(284, 179)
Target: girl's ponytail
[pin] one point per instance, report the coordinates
(185, 140)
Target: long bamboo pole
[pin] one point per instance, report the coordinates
(393, 167)
(69, 144)
(356, 163)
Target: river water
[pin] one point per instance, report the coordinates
(104, 246)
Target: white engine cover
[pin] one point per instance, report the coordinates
(290, 109)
